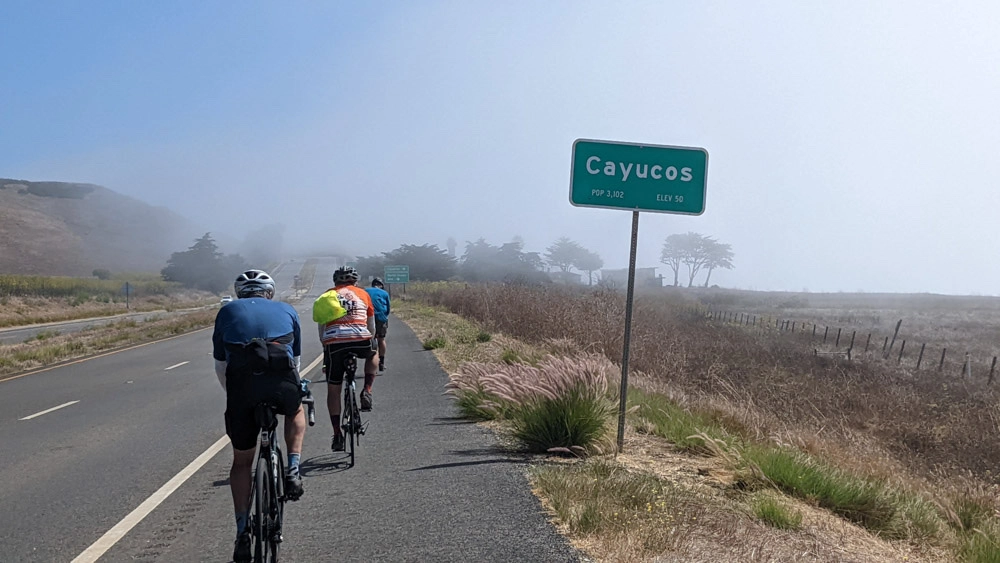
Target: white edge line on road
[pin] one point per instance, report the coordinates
(175, 366)
(111, 537)
(95, 551)
(47, 411)
(310, 367)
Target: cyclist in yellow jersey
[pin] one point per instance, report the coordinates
(353, 332)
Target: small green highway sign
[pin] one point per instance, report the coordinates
(638, 177)
(397, 274)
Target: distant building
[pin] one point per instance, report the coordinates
(567, 278)
(644, 277)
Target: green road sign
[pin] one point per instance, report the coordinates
(637, 177)
(397, 274)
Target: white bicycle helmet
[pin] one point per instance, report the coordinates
(345, 274)
(254, 283)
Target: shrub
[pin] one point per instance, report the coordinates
(864, 502)
(510, 357)
(434, 343)
(483, 336)
(477, 404)
(684, 428)
(560, 403)
(981, 546)
(774, 513)
(576, 418)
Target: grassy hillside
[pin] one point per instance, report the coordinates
(57, 228)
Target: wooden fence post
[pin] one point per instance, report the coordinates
(967, 367)
(814, 331)
(894, 334)
(921, 357)
(825, 332)
(941, 363)
(851, 347)
(838, 337)
(992, 367)
(901, 348)
(867, 342)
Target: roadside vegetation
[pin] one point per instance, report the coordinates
(739, 446)
(27, 300)
(50, 346)
(107, 287)
(53, 347)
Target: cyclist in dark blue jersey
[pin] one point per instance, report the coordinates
(257, 346)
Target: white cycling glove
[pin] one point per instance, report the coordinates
(220, 372)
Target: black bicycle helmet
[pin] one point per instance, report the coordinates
(377, 282)
(345, 274)
(254, 283)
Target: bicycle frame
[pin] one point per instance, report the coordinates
(267, 493)
(350, 422)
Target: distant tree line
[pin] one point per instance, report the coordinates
(483, 261)
(509, 261)
(203, 266)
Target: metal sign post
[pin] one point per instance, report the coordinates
(637, 177)
(628, 330)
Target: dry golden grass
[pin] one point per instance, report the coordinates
(959, 323)
(874, 420)
(22, 311)
(460, 336)
(772, 383)
(711, 521)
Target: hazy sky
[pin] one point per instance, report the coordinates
(853, 145)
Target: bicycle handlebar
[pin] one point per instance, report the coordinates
(308, 401)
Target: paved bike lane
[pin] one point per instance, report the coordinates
(426, 487)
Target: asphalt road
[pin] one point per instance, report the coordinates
(426, 487)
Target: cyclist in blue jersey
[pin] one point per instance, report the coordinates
(380, 301)
(257, 346)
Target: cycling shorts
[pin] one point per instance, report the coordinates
(244, 392)
(381, 328)
(334, 354)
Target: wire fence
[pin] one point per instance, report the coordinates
(836, 341)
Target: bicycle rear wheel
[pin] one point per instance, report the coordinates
(277, 512)
(261, 502)
(350, 422)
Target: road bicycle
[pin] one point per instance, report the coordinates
(351, 423)
(267, 492)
